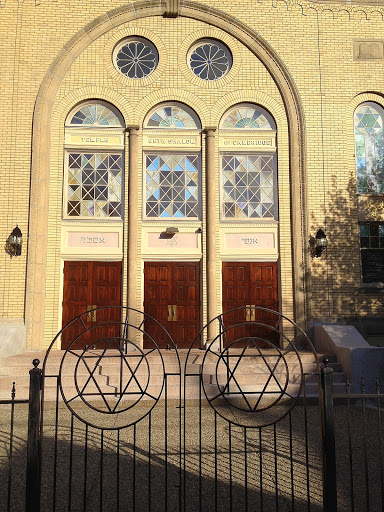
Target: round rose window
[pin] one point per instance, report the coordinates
(136, 57)
(210, 60)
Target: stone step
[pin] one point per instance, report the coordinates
(16, 368)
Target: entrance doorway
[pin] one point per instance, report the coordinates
(87, 285)
(248, 285)
(172, 297)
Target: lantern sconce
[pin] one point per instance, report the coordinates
(170, 232)
(14, 242)
(318, 243)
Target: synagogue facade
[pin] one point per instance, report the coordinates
(185, 158)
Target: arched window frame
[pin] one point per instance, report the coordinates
(250, 106)
(79, 107)
(248, 200)
(369, 150)
(94, 167)
(177, 105)
(179, 197)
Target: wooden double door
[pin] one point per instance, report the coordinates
(172, 297)
(87, 285)
(249, 285)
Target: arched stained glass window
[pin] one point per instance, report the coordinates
(247, 117)
(93, 166)
(173, 117)
(369, 147)
(248, 172)
(94, 114)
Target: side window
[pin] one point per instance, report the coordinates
(93, 180)
(372, 252)
(369, 148)
(248, 170)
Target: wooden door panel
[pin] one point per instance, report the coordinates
(90, 283)
(191, 294)
(156, 301)
(76, 298)
(235, 291)
(106, 291)
(248, 283)
(264, 294)
(187, 283)
(172, 284)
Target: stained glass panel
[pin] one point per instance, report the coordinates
(247, 117)
(248, 186)
(136, 58)
(94, 185)
(210, 60)
(172, 185)
(369, 148)
(95, 114)
(172, 116)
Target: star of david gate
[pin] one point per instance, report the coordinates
(233, 427)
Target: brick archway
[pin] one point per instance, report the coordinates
(38, 216)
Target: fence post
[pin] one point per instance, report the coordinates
(328, 438)
(33, 481)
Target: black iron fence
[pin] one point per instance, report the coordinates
(14, 438)
(358, 453)
(299, 463)
(135, 430)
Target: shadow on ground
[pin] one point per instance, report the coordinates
(226, 468)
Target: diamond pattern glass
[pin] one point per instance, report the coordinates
(95, 114)
(369, 148)
(137, 58)
(210, 60)
(172, 185)
(94, 185)
(171, 116)
(246, 117)
(247, 186)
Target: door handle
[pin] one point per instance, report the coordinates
(248, 313)
(174, 313)
(253, 313)
(169, 313)
(89, 316)
(94, 313)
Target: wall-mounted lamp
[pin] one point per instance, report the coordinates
(14, 242)
(171, 231)
(321, 243)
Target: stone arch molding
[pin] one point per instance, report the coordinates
(41, 141)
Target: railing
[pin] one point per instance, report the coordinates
(352, 432)
(32, 440)
(8, 444)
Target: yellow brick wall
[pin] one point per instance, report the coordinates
(315, 42)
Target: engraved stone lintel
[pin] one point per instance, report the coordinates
(172, 9)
